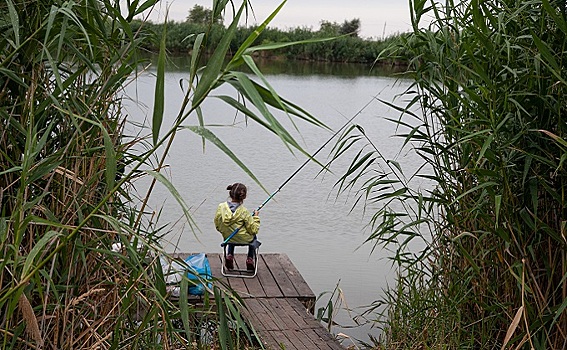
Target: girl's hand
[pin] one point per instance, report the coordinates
(256, 213)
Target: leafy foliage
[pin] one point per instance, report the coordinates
(487, 207)
(202, 16)
(347, 46)
(80, 263)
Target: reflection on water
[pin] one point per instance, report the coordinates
(317, 230)
(336, 69)
(301, 67)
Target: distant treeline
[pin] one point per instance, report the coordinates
(345, 48)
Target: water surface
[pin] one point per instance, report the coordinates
(319, 231)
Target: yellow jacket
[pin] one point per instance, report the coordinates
(226, 222)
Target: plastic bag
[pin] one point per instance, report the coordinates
(198, 266)
(172, 270)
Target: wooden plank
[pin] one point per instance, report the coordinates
(255, 288)
(302, 340)
(289, 316)
(298, 281)
(298, 317)
(259, 315)
(215, 260)
(271, 314)
(181, 256)
(320, 343)
(281, 341)
(280, 322)
(303, 313)
(327, 338)
(267, 280)
(215, 263)
(285, 284)
(253, 285)
(274, 305)
(284, 322)
(238, 285)
(309, 326)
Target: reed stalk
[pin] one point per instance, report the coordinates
(67, 168)
(488, 207)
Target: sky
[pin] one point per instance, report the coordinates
(378, 18)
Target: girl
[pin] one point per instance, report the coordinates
(232, 215)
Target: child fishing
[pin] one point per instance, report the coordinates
(232, 216)
(236, 224)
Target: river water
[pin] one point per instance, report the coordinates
(306, 220)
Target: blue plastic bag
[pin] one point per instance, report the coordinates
(198, 266)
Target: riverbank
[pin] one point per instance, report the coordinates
(181, 36)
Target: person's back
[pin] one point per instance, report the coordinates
(231, 216)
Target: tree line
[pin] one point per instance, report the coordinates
(346, 47)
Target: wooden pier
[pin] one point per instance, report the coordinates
(280, 304)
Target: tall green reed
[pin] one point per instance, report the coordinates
(485, 113)
(67, 168)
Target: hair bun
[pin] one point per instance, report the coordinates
(237, 191)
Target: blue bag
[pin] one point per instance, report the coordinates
(199, 264)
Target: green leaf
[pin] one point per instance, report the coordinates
(497, 206)
(219, 6)
(38, 248)
(110, 159)
(186, 210)
(248, 89)
(281, 103)
(207, 134)
(11, 170)
(195, 55)
(146, 5)
(159, 96)
(184, 305)
(224, 333)
(557, 18)
(15, 22)
(474, 189)
(548, 59)
(276, 46)
(212, 71)
(485, 146)
(13, 76)
(253, 36)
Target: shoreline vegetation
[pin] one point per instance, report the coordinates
(81, 248)
(485, 113)
(346, 47)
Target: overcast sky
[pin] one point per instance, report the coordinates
(377, 17)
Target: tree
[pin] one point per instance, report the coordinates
(329, 28)
(202, 15)
(351, 27)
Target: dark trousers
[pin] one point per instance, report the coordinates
(251, 249)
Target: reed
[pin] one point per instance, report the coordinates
(67, 173)
(487, 209)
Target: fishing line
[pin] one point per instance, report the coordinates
(312, 157)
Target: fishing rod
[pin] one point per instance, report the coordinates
(299, 169)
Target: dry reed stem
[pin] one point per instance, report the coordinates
(513, 326)
(69, 175)
(83, 296)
